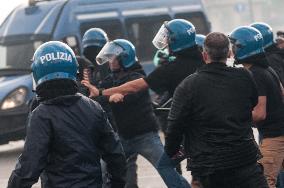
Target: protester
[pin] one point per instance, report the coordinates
(212, 110)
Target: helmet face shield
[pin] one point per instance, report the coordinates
(161, 39)
(108, 53)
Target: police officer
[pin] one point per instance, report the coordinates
(93, 41)
(178, 36)
(67, 133)
(216, 103)
(275, 58)
(163, 57)
(273, 53)
(268, 114)
(134, 116)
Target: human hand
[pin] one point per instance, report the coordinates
(94, 92)
(116, 98)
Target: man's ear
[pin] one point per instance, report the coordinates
(280, 42)
(205, 56)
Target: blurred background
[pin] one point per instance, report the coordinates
(225, 15)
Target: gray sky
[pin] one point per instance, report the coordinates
(7, 6)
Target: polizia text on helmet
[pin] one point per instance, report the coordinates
(56, 56)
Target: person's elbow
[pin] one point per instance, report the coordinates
(134, 86)
(259, 112)
(259, 116)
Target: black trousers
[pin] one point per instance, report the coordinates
(250, 176)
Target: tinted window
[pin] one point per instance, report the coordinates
(113, 28)
(141, 31)
(16, 56)
(197, 19)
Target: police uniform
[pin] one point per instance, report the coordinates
(67, 133)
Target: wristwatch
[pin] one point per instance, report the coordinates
(101, 91)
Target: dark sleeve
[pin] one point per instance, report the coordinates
(112, 153)
(34, 156)
(33, 104)
(158, 80)
(179, 110)
(101, 100)
(260, 83)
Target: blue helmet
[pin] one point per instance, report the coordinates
(266, 32)
(177, 34)
(122, 49)
(199, 38)
(247, 41)
(54, 60)
(94, 37)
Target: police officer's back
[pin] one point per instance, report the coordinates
(180, 41)
(68, 133)
(268, 115)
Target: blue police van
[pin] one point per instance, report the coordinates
(28, 26)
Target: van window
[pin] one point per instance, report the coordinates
(141, 31)
(112, 27)
(197, 19)
(16, 56)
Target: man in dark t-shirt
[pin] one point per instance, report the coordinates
(268, 114)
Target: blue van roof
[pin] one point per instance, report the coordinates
(78, 11)
(43, 19)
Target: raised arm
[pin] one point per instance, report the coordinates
(125, 89)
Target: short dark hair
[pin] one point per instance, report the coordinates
(217, 46)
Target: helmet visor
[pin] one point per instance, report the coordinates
(161, 39)
(108, 53)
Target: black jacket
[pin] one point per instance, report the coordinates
(66, 138)
(134, 116)
(212, 108)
